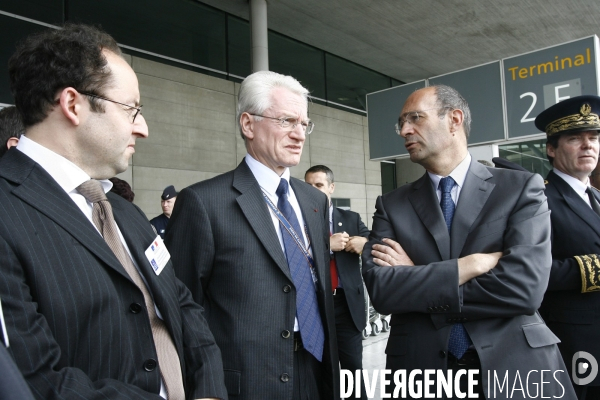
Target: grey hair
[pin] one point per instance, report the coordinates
(255, 93)
(448, 97)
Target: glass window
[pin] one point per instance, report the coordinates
(344, 204)
(12, 30)
(238, 46)
(48, 11)
(349, 83)
(303, 62)
(530, 155)
(185, 30)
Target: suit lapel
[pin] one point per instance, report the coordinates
(473, 196)
(575, 202)
(424, 201)
(38, 189)
(337, 220)
(257, 213)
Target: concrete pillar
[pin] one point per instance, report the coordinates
(258, 32)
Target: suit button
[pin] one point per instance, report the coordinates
(287, 289)
(284, 377)
(135, 308)
(285, 334)
(150, 365)
(442, 354)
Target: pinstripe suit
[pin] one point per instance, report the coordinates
(226, 249)
(73, 314)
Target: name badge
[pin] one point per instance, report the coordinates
(158, 255)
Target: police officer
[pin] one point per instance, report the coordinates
(571, 305)
(167, 203)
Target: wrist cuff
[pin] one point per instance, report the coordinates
(590, 272)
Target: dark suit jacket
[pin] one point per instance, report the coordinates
(498, 210)
(572, 315)
(348, 265)
(226, 249)
(69, 304)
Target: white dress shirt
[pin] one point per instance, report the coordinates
(459, 174)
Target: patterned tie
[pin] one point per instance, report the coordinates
(168, 359)
(307, 311)
(593, 201)
(459, 340)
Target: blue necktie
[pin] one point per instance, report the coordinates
(459, 340)
(307, 310)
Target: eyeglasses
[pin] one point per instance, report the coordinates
(413, 118)
(132, 115)
(307, 126)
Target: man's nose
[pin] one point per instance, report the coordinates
(140, 128)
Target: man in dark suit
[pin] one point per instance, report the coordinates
(253, 247)
(461, 258)
(92, 309)
(571, 304)
(348, 237)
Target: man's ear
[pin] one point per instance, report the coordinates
(247, 124)
(456, 118)
(550, 150)
(71, 104)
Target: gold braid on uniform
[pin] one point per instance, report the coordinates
(585, 119)
(590, 272)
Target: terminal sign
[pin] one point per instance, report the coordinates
(538, 80)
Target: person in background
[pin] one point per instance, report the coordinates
(167, 202)
(11, 128)
(348, 237)
(122, 188)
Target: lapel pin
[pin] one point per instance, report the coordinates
(315, 210)
(339, 224)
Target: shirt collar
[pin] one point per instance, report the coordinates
(64, 172)
(266, 177)
(459, 174)
(578, 186)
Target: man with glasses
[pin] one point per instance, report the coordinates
(93, 308)
(461, 259)
(252, 245)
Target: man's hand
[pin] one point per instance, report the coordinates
(472, 266)
(356, 244)
(338, 241)
(392, 254)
